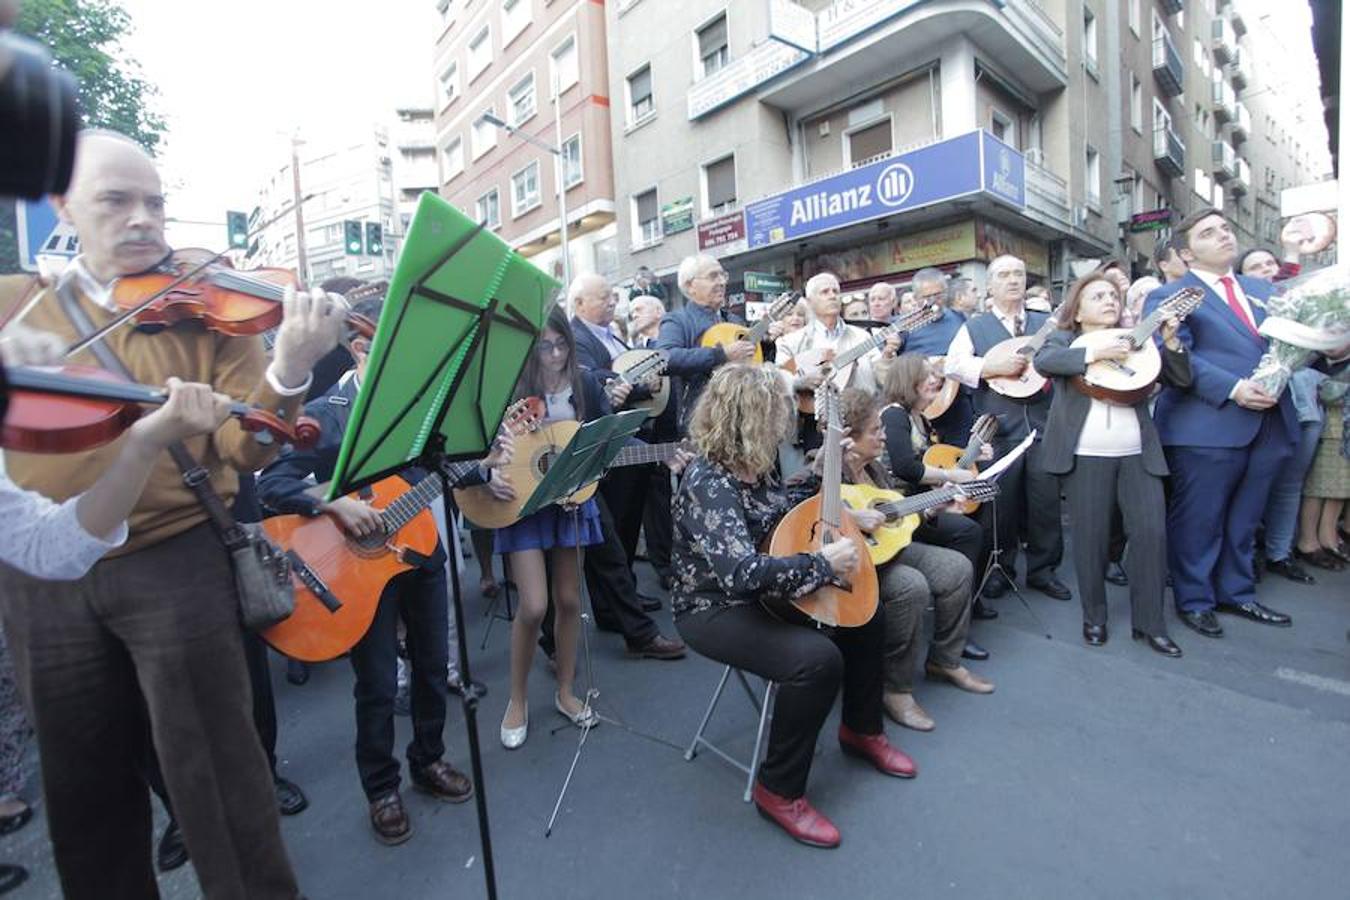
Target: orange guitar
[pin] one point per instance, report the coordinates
(339, 578)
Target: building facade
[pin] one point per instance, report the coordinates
(540, 66)
(350, 180)
(875, 138)
(413, 136)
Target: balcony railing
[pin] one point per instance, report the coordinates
(1237, 70)
(1047, 194)
(1223, 102)
(1243, 182)
(1242, 124)
(1225, 165)
(1239, 26)
(1222, 41)
(1169, 151)
(1167, 66)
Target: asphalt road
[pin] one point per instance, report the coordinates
(1106, 772)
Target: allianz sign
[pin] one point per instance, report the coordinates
(893, 187)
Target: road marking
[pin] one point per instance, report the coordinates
(1318, 682)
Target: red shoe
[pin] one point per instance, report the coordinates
(797, 817)
(888, 759)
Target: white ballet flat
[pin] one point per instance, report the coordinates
(584, 719)
(512, 738)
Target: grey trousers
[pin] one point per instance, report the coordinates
(919, 576)
(1094, 489)
(154, 631)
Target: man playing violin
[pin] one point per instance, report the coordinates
(153, 629)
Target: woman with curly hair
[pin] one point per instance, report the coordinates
(732, 602)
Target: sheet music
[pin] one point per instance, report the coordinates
(993, 472)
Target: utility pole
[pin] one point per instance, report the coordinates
(301, 262)
(560, 158)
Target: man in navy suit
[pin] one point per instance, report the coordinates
(1225, 438)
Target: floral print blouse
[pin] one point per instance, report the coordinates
(720, 524)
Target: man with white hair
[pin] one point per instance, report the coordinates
(644, 320)
(1029, 494)
(703, 282)
(828, 331)
(609, 565)
(930, 286)
(881, 301)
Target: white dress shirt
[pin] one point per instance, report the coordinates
(1214, 284)
(962, 363)
(45, 539)
(843, 336)
(606, 337)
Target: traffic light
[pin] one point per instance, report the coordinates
(374, 239)
(351, 237)
(236, 228)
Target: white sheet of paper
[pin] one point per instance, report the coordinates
(998, 468)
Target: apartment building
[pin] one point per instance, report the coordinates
(875, 138)
(541, 66)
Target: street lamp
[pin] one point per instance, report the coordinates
(561, 175)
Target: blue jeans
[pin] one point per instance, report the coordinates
(1286, 494)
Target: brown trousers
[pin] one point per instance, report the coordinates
(157, 632)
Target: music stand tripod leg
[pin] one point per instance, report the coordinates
(995, 564)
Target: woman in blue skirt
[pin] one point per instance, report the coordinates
(574, 393)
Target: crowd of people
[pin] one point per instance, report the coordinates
(134, 683)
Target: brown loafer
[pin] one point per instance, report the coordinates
(443, 781)
(905, 710)
(659, 647)
(390, 820)
(961, 677)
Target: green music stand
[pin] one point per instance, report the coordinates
(458, 324)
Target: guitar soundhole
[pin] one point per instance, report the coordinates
(544, 461)
(371, 542)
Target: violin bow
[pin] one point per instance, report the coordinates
(101, 333)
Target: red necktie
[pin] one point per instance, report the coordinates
(1236, 306)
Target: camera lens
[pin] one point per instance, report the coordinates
(39, 117)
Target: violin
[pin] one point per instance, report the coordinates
(200, 285)
(75, 408)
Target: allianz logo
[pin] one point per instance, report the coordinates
(892, 188)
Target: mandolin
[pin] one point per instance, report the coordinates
(729, 333)
(947, 396)
(902, 513)
(1132, 379)
(644, 366)
(1030, 382)
(825, 359)
(534, 456)
(339, 578)
(822, 519)
(945, 456)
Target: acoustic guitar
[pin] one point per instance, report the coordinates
(339, 578)
(820, 520)
(945, 456)
(817, 359)
(902, 513)
(1132, 379)
(645, 366)
(1030, 382)
(724, 333)
(534, 456)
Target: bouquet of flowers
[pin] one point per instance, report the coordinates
(1311, 315)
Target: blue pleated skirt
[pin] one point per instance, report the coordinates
(549, 528)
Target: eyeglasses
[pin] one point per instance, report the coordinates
(545, 348)
(719, 275)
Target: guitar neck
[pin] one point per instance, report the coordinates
(874, 341)
(832, 477)
(1149, 324)
(421, 495)
(898, 509)
(645, 453)
(1039, 338)
(972, 451)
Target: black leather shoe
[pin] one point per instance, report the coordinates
(1095, 635)
(1258, 613)
(1287, 568)
(1205, 623)
(995, 587)
(11, 876)
(1051, 586)
(291, 800)
(981, 612)
(1116, 575)
(172, 852)
(974, 651)
(297, 673)
(648, 602)
(1159, 643)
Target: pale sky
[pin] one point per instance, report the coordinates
(237, 78)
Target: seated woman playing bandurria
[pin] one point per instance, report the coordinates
(732, 602)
